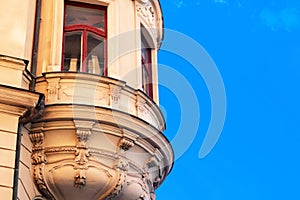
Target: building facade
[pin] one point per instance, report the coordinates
(79, 115)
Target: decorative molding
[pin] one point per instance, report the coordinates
(13, 63)
(38, 176)
(38, 152)
(16, 68)
(156, 182)
(82, 136)
(152, 162)
(122, 164)
(141, 107)
(12, 110)
(53, 89)
(68, 149)
(119, 187)
(80, 179)
(81, 157)
(114, 94)
(77, 135)
(38, 160)
(140, 183)
(125, 144)
(34, 112)
(84, 125)
(147, 11)
(142, 1)
(116, 156)
(147, 183)
(17, 101)
(104, 153)
(152, 196)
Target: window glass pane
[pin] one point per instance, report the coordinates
(72, 51)
(147, 82)
(146, 69)
(95, 54)
(84, 16)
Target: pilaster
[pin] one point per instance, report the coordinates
(15, 105)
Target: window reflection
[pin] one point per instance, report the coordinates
(84, 16)
(72, 51)
(95, 54)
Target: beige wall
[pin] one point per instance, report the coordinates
(26, 187)
(8, 138)
(17, 28)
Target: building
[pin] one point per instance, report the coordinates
(79, 115)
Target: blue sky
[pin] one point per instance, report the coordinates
(256, 48)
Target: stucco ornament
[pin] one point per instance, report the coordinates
(147, 12)
(143, 1)
(38, 160)
(97, 152)
(81, 158)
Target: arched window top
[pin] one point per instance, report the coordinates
(85, 15)
(147, 37)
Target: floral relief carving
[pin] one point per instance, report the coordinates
(148, 13)
(140, 184)
(82, 136)
(115, 95)
(80, 179)
(53, 89)
(38, 151)
(37, 138)
(81, 158)
(38, 159)
(119, 187)
(40, 181)
(122, 164)
(125, 144)
(147, 183)
(140, 106)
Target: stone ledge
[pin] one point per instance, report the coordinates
(16, 68)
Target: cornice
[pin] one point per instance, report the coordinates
(17, 101)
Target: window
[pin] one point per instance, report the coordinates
(146, 68)
(84, 48)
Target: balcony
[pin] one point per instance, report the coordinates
(93, 90)
(97, 139)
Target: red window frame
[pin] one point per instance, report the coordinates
(85, 29)
(147, 70)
